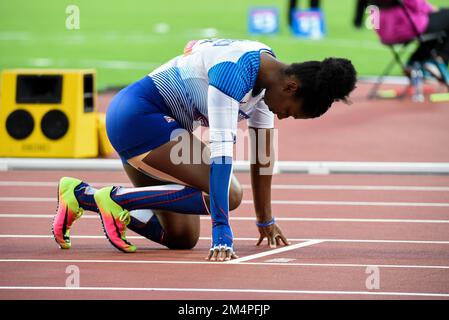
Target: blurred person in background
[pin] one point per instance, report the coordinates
(314, 4)
(360, 12)
(396, 27)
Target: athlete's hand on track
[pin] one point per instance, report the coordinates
(221, 248)
(221, 254)
(274, 236)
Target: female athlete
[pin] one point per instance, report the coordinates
(214, 83)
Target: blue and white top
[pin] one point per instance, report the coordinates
(211, 85)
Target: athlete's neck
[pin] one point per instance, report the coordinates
(271, 72)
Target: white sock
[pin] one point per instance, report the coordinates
(143, 215)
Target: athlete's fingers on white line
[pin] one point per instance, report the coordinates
(214, 255)
(222, 255)
(260, 240)
(272, 242)
(284, 240)
(228, 255)
(209, 255)
(278, 240)
(231, 255)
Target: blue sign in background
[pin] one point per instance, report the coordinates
(263, 20)
(308, 24)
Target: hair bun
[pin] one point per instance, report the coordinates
(336, 78)
(322, 83)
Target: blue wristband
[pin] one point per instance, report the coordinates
(266, 224)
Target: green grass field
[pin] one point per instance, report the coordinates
(119, 38)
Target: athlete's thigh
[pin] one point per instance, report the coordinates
(163, 162)
(170, 162)
(175, 225)
(173, 161)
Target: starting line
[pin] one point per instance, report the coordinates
(310, 167)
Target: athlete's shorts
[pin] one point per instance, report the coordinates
(138, 120)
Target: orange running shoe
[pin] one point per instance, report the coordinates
(68, 211)
(115, 220)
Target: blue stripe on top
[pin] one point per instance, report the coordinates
(236, 79)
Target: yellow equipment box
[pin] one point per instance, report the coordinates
(48, 113)
(105, 146)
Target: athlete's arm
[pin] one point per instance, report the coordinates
(231, 76)
(223, 114)
(262, 161)
(262, 164)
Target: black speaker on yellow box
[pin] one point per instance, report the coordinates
(48, 113)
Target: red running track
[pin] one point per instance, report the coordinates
(345, 223)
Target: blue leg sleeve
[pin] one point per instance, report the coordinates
(175, 198)
(220, 178)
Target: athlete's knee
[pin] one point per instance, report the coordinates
(183, 235)
(182, 243)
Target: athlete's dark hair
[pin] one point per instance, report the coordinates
(322, 83)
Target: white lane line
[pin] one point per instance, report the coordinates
(355, 203)
(41, 216)
(274, 263)
(54, 184)
(45, 236)
(339, 220)
(226, 290)
(275, 251)
(351, 240)
(311, 167)
(279, 260)
(28, 184)
(353, 187)
(92, 216)
(283, 202)
(247, 186)
(27, 199)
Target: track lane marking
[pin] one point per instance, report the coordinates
(281, 202)
(93, 216)
(44, 184)
(39, 236)
(275, 251)
(226, 290)
(28, 199)
(353, 187)
(283, 264)
(355, 203)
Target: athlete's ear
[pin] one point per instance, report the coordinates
(291, 86)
